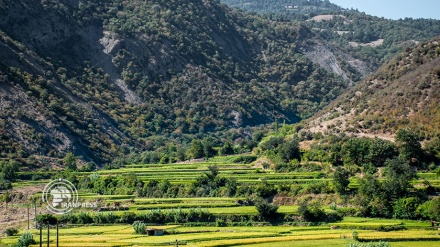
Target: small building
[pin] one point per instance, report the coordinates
(155, 232)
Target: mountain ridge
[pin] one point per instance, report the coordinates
(104, 79)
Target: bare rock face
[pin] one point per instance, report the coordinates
(110, 41)
(330, 59)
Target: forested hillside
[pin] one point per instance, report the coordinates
(106, 78)
(299, 9)
(370, 39)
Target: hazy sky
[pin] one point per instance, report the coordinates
(395, 9)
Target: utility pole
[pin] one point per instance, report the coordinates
(35, 213)
(48, 236)
(41, 236)
(27, 207)
(57, 234)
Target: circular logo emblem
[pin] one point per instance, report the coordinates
(60, 196)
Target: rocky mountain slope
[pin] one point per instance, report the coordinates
(106, 78)
(370, 40)
(403, 93)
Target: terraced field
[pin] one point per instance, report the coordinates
(326, 235)
(410, 233)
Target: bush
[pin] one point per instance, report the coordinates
(430, 209)
(128, 218)
(139, 227)
(25, 240)
(405, 208)
(244, 159)
(312, 213)
(220, 223)
(108, 218)
(84, 218)
(355, 235)
(265, 209)
(11, 232)
(45, 219)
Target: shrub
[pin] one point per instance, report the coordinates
(139, 227)
(265, 209)
(355, 235)
(25, 240)
(245, 159)
(430, 209)
(11, 232)
(84, 218)
(405, 208)
(128, 217)
(314, 213)
(220, 223)
(44, 219)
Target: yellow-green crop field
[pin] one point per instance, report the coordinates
(418, 234)
(414, 233)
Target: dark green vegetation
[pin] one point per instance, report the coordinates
(109, 79)
(103, 79)
(286, 9)
(349, 30)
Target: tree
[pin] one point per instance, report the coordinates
(289, 150)
(409, 145)
(208, 147)
(6, 197)
(265, 209)
(212, 172)
(139, 227)
(380, 151)
(226, 149)
(398, 175)
(196, 151)
(341, 180)
(433, 149)
(70, 162)
(25, 240)
(356, 150)
(311, 212)
(8, 171)
(257, 136)
(265, 189)
(405, 208)
(44, 219)
(430, 209)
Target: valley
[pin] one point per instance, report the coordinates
(217, 123)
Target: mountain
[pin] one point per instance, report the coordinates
(404, 92)
(106, 78)
(299, 9)
(369, 39)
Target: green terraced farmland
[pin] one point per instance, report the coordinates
(123, 235)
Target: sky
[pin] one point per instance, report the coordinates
(394, 9)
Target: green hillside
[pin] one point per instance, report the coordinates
(105, 78)
(370, 39)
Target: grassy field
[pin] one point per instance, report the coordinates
(123, 235)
